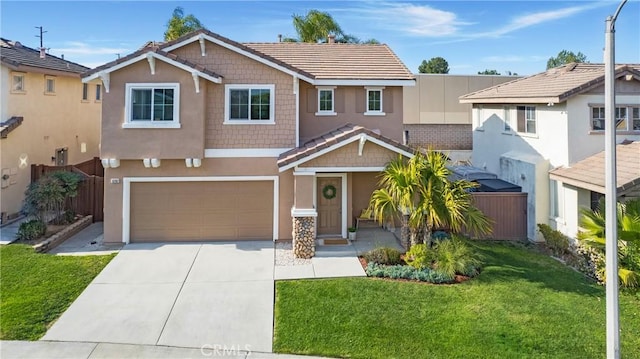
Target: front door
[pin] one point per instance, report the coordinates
(329, 205)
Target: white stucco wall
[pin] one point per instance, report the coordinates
(582, 141)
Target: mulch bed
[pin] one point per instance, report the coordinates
(458, 278)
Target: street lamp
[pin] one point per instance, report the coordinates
(611, 228)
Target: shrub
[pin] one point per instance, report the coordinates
(49, 195)
(31, 230)
(406, 272)
(557, 242)
(383, 255)
(420, 256)
(454, 256)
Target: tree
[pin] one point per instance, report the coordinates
(315, 26)
(565, 57)
(436, 65)
(593, 223)
(419, 189)
(488, 72)
(179, 24)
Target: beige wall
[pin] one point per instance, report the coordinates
(364, 183)
(50, 122)
(239, 69)
(434, 99)
(163, 143)
(349, 105)
(210, 167)
(373, 155)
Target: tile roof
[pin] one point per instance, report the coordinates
(9, 125)
(14, 54)
(315, 61)
(331, 138)
(339, 61)
(589, 173)
(554, 85)
(158, 51)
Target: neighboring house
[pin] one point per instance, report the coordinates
(205, 138)
(433, 116)
(527, 127)
(48, 116)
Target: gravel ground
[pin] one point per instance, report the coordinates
(284, 255)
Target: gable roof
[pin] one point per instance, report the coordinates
(335, 139)
(17, 56)
(589, 173)
(154, 52)
(319, 64)
(552, 86)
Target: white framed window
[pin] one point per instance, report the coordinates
(374, 101)
(85, 92)
(249, 104)
(627, 118)
(152, 105)
(527, 119)
(17, 84)
(326, 100)
(507, 118)
(556, 199)
(98, 92)
(49, 85)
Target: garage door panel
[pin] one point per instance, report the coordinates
(201, 211)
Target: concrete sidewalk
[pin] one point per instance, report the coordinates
(88, 241)
(83, 350)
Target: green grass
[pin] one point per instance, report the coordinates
(523, 305)
(36, 288)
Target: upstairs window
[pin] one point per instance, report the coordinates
(374, 101)
(627, 118)
(249, 104)
(85, 92)
(18, 83)
(98, 92)
(527, 119)
(507, 118)
(49, 85)
(152, 105)
(325, 101)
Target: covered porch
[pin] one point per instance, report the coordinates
(334, 176)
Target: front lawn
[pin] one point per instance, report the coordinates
(523, 304)
(36, 288)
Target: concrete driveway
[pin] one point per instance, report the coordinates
(182, 295)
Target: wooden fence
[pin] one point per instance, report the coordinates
(507, 210)
(90, 198)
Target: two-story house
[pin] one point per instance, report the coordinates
(47, 116)
(205, 138)
(527, 127)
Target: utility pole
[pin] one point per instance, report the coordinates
(611, 189)
(40, 36)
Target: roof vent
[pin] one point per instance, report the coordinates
(331, 39)
(43, 53)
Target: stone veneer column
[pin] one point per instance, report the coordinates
(304, 237)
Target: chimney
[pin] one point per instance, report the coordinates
(43, 53)
(331, 39)
(62, 56)
(279, 37)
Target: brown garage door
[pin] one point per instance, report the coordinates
(201, 211)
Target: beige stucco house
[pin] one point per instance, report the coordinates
(545, 133)
(205, 138)
(434, 118)
(47, 116)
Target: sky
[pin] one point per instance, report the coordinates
(516, 36)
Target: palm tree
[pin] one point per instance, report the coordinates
(419, 189)
(180, 25)
(315, 26)
(593, 223)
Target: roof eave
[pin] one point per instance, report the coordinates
(512, 100)
(364, 82)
